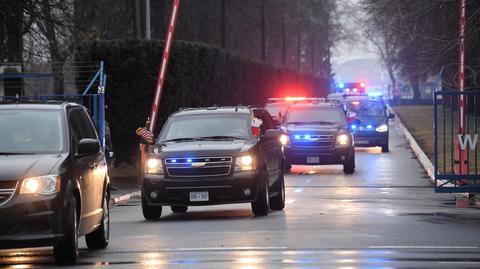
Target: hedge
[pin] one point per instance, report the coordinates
(198, 75)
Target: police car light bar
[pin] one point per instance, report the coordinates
(295, 99)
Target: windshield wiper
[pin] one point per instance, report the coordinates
(223, 137)
(311, 122)
(183, 139)
(16, 153)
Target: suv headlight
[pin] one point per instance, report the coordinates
(285, 140)
(154, 166)
(343, 139)
(244, 163)
(382, 128)
(45, 185)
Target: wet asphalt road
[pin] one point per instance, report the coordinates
(386, 215)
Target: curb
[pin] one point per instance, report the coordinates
(115, 200)
(421, 156)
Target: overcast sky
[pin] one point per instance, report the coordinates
(357, 48)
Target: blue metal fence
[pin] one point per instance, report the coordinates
(456, 156)
(94, 102)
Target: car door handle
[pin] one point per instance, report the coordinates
(93, 165)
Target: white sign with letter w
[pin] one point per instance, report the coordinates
(466, 140)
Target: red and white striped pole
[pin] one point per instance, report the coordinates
(461, 154)
(164, 65)
(160, 82)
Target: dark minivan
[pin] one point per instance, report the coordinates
(53, 179)
(210, 156)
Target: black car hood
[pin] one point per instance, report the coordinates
(372, 120)
(204, 148)
(314, 128)
(17, 167)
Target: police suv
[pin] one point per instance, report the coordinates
(318, 134)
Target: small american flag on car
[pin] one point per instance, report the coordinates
(145, 134)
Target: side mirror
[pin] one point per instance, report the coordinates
(88, 146)
(391, 115)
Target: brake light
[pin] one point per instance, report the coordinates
(355, 103)
(362, 84)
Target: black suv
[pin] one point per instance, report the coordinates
(209, 156)
(318, 135)
(368, 119)
(53, 179)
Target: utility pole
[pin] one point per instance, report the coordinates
(223, 24)
(148, 34)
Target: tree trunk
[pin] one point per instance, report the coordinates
(414, 83)
(138, 27)
(263, 29)
(14, 20)
(223, 22)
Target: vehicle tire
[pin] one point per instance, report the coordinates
(261, 206)
(278, 202)
(385, 148)
(66, 250)
(349, 165)
(179, 208)
(288, 168)
(150, 212)
(100, 238)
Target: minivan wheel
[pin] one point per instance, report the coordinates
(261, 206)
(99, 238)
(278, 202)
(66, 250)
(179, 208)
(349, 164)
(150, 212)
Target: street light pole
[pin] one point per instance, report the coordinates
(148, 34)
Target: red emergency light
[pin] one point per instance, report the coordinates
(293, 99)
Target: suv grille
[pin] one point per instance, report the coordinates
(7, 189)
(198, 166)
(315, 141)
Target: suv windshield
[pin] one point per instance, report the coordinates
(30, 132)
(366, 108)
(315, 114)
(276, 109)
(206, 126)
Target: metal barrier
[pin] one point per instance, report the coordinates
(95, 103)
(456, 153)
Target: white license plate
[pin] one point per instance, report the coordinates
(361, 142)
(200, 196)
(313, 159)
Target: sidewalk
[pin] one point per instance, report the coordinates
(124, 185)
(463, 200)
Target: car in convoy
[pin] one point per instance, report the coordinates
(53, 179)
(210, 156)
(278, 106)
(368, 120)
(318, 134)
